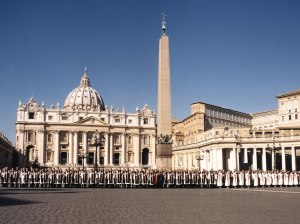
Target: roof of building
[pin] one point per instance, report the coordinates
(223, 108)
(292, 93)
(265, 112)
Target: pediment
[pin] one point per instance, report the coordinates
(91, 121)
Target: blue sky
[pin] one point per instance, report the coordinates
(232, 53)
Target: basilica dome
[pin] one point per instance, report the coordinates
(84, 97)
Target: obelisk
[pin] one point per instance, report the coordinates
(164, 128)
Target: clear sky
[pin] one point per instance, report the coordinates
(233, 53)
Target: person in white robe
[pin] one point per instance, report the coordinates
(286, 178)
(227, 179)
(295, 179)
(291, 179)
(261, 179)
(241, 179)
(234, 179)
(268, 179)
(255, 178)
(247, 179)
(219, 179)
(274, 178)
(280, 179)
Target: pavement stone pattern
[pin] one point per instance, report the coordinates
(264, 205)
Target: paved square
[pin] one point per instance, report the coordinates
(275, 205)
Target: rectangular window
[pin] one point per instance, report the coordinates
(129, 121)
(30, 137)
(102, 119)
(146, 140)
(117, 139)
(117, 120)
(290, 117)
(145, 120)
(80, 118)
(296, 116)
(64, 118)
(31, 115)
(282, 118)
(49, 138)
(50, 118)
(63, 137)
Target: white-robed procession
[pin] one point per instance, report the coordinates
(131, 178)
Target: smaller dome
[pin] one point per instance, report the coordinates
(84, 96)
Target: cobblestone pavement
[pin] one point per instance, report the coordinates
(263, 205)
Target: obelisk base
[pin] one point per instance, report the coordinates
(164, 156)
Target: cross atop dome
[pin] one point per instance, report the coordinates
(85, 81)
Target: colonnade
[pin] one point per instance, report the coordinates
(238, 157)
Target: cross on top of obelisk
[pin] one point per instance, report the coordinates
(164, 24)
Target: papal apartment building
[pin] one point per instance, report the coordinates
(214, 137)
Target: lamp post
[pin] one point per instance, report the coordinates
(82, 157)
(273, 150)
(97, 141)
(199, 158)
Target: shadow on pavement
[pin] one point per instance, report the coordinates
(5, 201)
(9, 191)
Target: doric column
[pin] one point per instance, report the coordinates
(111, 148)
(99, 148)
(238, 150)
(245, 155)
(41, 146)
(185, 161)
(204, 161)
(71, 148)
(273, 159)
(106, 158)
(220, 159)
(283, 163)
(75, 154)
(211, 159)
(234, 160)
(56, 148)
(136, 139)
(254, 159)
(264, 159)
(85, 145)
(293, 151)
(123, 153)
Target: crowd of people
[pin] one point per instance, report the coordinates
(133, 178)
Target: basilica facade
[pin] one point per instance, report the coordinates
(85, 132)
(218, 138)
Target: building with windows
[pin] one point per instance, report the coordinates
(217, 138)
(64, 136)
(6, 151)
